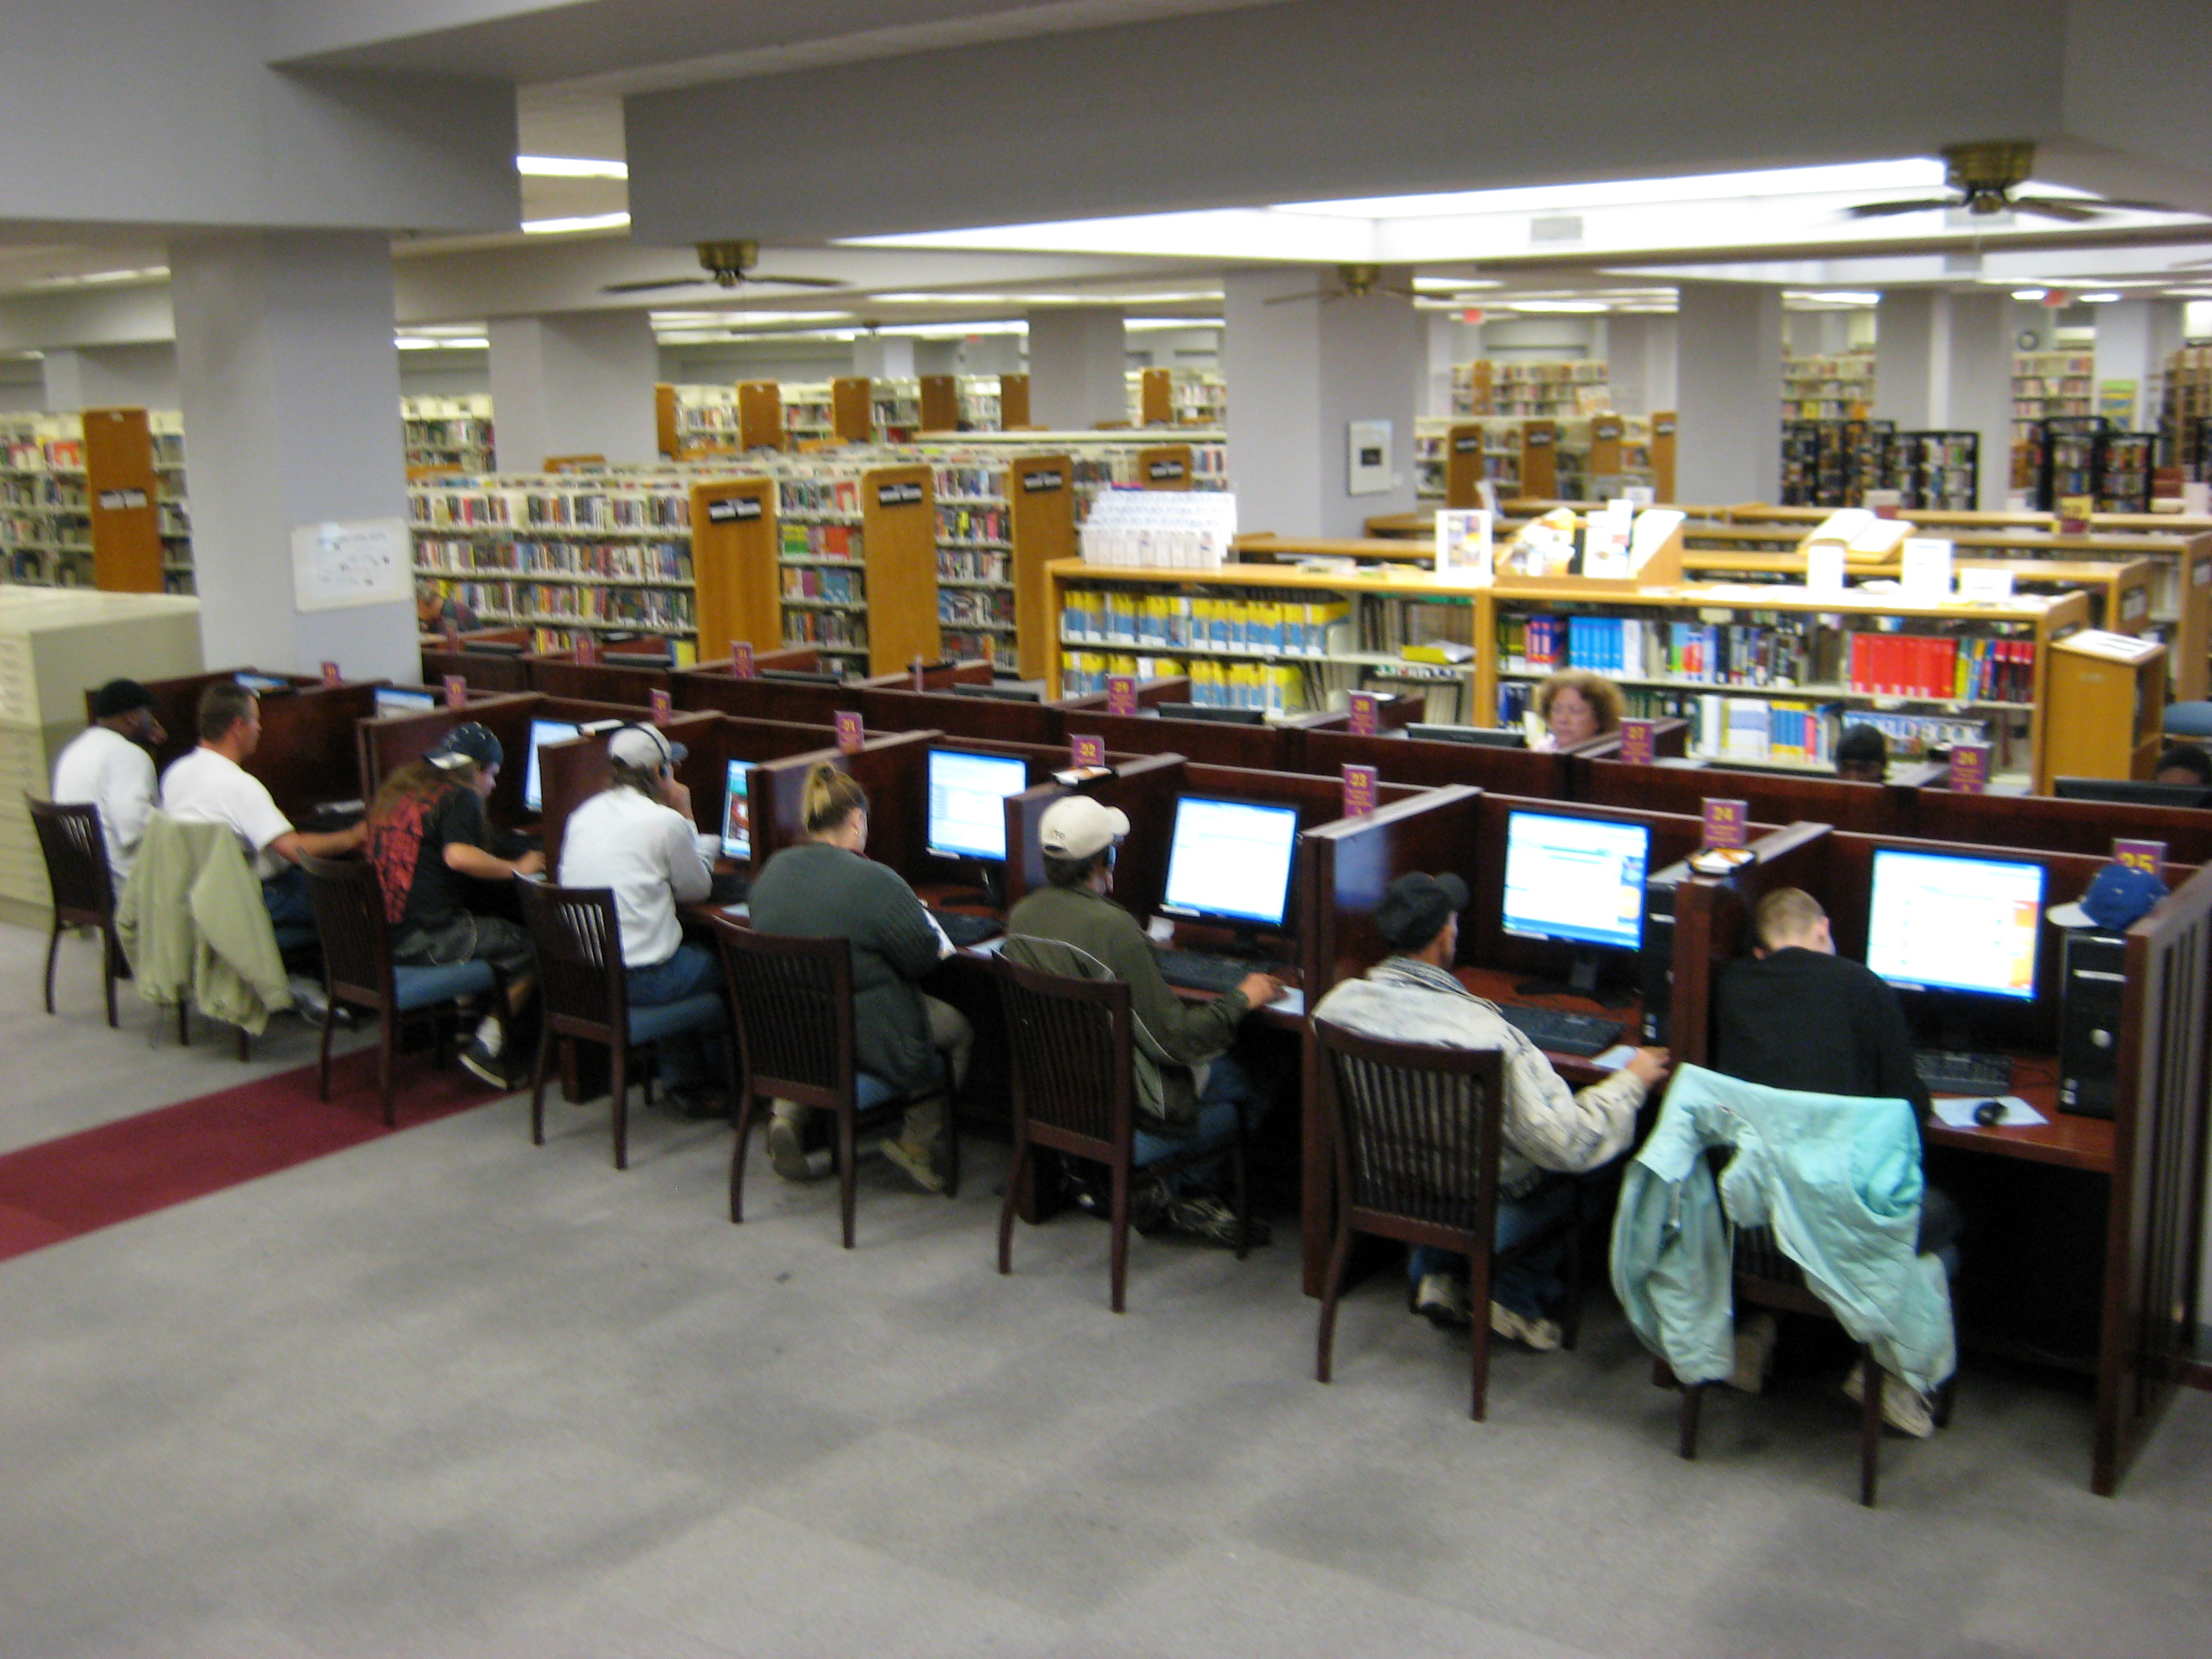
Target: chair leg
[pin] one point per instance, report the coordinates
(1693, 1396)
(1477, 1305)
(738, 1156)
(1869, 1427)
(245, 1045)
(618, 1064)
(1013, 1195)
(387, 1020)
(1332, 1288)
(847, 1176)
(1570, 1321)
(1242, 1193)
(110, 949)
(323, 1062)
(184, 1023)
(537, 1084)
(1120, 1218)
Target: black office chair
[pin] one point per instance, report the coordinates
(82, 883)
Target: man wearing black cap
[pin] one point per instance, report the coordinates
(1550, 1132)
(110, 764)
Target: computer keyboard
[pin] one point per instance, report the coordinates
(1199, 970)
(964, 930)
(1953, 1072)
(727, 887)
(1557, 1032)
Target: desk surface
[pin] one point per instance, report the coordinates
(2074, 1143)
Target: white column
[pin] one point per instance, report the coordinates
(289, 386)
(2134, 338)
(1639, 362)
(937, 356)
(1077, 355)
(573, 382)
(1979, 387)
(109, 377)
(1728, 381)
(62, 372)
(1299, 374)
(884, 356)
(1904, 358)
(1444, 333)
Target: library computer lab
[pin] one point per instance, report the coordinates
(1163, 827)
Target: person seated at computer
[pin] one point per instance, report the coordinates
(827, 887)
(211, 784)
(637, 837)
(110, 765)
(1863, 754)
(1574, 706)
(1795, 1015)
(427, 829)
(2184, 764)
(1552, 1134)
(436, 612)
(1187, 1084)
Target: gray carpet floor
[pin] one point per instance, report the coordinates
(446, 1394)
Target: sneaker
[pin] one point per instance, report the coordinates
(1148, 1208)
(487, 1066)
(1755, 1352)
(1537, 1335)
(691, 1100)
(786, 1151)
(1210, 1221)
(308, 998)
(919, 1163)
(1442, 1300)
(1903, 1408)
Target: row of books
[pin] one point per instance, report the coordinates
(1976, 670)
(814, 581)
(845, 630)
(818, 540)
(967, 645)
(1277, 686)
(974, 524)
(969, 483)
(968, 564)
(1914, 736)
(597, 508)
(634, 562)
(975, 607)
(41, 490)
(650, 608)
(1392, 624)
(818, 495)
(1290, 624)
(1779, 731)
(30, 455)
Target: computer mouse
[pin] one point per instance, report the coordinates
(1989, 1113)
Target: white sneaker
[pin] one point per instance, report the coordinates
(1755, 1352)
(1442, 1300)
(1904, 1409)
(1539, 1335)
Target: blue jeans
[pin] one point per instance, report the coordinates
(1531, 1285)
(689, 1060)
(285, 894)
(1227, 1083)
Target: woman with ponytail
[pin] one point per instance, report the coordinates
(825, 887)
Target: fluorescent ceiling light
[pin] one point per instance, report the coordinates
(2030, 295)
(1843, 296)
(1453, 284)
(442, 343)
(2096, 299)
(1911, 175)
(743, 319)
(1565, 307)
(583, 222)
(569, 167)
(1156, 325)
(142, 273)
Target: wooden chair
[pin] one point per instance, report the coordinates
(583, 996)
(1766, 1277)
(358, 969)
(83, 885)
(794, 998)
(1418, 1135)
(1074, 1092)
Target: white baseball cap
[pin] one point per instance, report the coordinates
(644, 748)
(1076, 826)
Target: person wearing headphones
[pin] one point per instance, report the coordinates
(637, 837)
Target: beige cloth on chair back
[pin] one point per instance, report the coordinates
(192, 923)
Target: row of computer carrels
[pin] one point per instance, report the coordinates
(2132, 1183)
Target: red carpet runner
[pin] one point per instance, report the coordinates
(82, 1182)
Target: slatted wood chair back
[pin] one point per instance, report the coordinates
(1071, 1044)
(794, 1004)
(348, 901)
(580, 960)
(76, 862)
(1417, 1130)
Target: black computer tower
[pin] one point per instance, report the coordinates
(1656, 961)
(2095, 966)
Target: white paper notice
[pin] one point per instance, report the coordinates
(1984, 586)
(366, 561)
(1926, 577)
(1824, 569)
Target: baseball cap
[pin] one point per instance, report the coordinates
(469, 741)
(1076, 826)
(120, 697)
(2118, 898)
(644, 748)
(1414, 908)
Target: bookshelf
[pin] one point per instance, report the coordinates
(447, 435)
(1000, 521)
(735, 538)
(760, 415)
(852, 409)
(1013, 403)
(1544, 390)
(165, 432)
(96, 499)
(122, 496)
(894, 412)
(46, 525)
(1177, 396)
(2088, 455)
(857, 564)
(2046, 384)
(1837, 388)
(1833, 463)
(2107, 710)
(1936, 470)
(808, 413)
(940, 403)
(2185, 419)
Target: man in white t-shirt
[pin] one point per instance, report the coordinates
(211, 786)
(637, 837)
(109, 765)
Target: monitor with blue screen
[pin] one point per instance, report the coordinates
(967, 795)
(264, 683)
(1939, 921)
(1231, 860)
(541, 733)
(737, 812)
(1575, 880)
(401, 699)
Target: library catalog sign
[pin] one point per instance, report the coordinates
(360, 561)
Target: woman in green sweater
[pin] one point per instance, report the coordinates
(825, 887)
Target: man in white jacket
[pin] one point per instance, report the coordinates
(110, 765)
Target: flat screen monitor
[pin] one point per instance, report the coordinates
(967, 796)
(264, 683)
(1579, 881)
(1490, 736)
(495, 647)
(801, 676)
(1937, 922)
(1217, 712)
(2132, 792)
(1001, 693)
(1231, 860)
(541, 733)
(404, 700)
(738, 811)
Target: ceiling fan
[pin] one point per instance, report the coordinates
(728, 264)
(1355, 283)
(1986, 175)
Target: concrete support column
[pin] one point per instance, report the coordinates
(63, 372)
(1639, 362)
(1077, 355)
(1977, 384)
(1728, 388)
(2134, 338)
(884, 356)
(1444, 332)
(1908, 364)
(1299, 374)
(573, 382)
(289, 386)
(937, 356)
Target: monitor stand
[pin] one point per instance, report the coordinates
(989, 892)
(1586, 978)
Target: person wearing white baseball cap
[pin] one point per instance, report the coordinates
(1187, 1085)
(638, 837)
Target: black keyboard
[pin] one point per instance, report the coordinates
(727, 887)
(1557, 1032)
(1952, 1071)
(1197, 970)
(964, 930)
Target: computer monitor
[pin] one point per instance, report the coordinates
(1576, 881)
(264, 683)
(1489, 737)
(1219, 713)
(541, 733)
(404, 700)
(1231, 860)
(1941, 921)
(738, 811)
(801, 676)
(495, 647)
(967, 795)
(1001, 693)
(2132, 792)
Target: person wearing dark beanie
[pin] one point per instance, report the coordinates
(110, 765)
